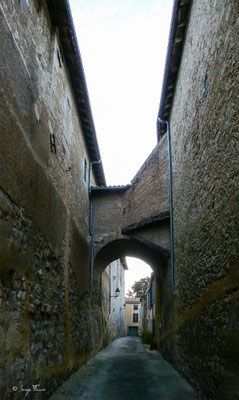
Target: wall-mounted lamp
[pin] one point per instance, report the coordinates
(117, 292)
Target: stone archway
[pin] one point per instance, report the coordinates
(121, 246)
(118, 246)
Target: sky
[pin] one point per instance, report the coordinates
(123, 47)
(137, 270)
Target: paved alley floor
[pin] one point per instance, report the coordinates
(125, 370)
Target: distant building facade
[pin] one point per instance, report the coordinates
(148, 307)
(134, 315)
(113, 298)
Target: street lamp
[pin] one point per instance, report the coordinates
(117, 292)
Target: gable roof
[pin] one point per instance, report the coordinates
(132, 300)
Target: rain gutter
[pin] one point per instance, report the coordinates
(178, 26)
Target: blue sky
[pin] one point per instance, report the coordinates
(123, 46)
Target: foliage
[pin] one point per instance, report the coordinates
(147, 337)
(140, 287)
(129, 294)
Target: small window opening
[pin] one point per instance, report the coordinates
(53, 143)
(59, 58)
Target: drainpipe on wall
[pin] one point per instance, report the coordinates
(91, 228)
(161, 121)
(110, 291)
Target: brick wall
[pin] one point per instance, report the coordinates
(149, 193)
(107, 212)
(148, 196)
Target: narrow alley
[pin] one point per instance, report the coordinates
(66, 230)
(125, 370)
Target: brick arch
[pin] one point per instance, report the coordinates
(118, 246)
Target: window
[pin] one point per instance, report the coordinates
(60, 56)
(53, 143)
(85, 170)
(135, 317)
(135, 307)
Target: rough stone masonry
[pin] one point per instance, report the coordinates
(49, 325)
(200, 333)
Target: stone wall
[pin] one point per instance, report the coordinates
(48, 325)
(201, 335)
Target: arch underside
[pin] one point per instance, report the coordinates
(129, 247)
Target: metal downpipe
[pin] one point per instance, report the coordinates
(170, 200)
(91, 229)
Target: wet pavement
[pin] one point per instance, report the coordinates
(125, 370)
